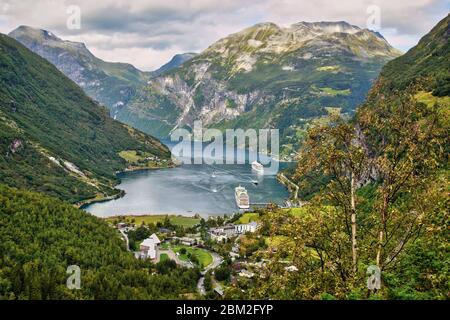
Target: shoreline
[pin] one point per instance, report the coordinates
(291, 186)
(121, 193)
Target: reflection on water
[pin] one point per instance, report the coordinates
(190, 189)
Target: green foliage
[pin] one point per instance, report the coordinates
(106, 82)
(400, 199)
(428, 60)
(223, 273)
(42, 236)
(53, 117)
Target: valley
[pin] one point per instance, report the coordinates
(88, 177)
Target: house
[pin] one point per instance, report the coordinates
(165, 230)
(218, 289)
(229, 230)
(121, 225)
(244, 228)
(148, 248)
(216, 235)
(187, 241)
(222, 233)
(155, 239)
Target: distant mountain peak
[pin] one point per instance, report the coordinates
(176, 61)
(328, 26)
(34, 32)
(112, 84)
(267, 38)
(45, 37)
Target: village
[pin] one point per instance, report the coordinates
(218, 247)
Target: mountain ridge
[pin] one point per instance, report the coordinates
(54, 139)
(176, 61)
(264, 76)
(110, 83)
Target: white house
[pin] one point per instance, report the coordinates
(155, 239)
(149, 247)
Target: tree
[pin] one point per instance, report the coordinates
(335, 151)
(406, 141)
(207, 283)
(223, 273)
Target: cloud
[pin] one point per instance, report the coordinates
(147, 33)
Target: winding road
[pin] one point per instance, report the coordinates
(217, 261)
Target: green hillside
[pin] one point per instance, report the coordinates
(428, 60)
(54, 138)
(112, 84)
(42, 236)
(377, 194)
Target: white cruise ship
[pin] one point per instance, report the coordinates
(242, 198)
(257, 167)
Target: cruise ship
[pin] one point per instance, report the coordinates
(257, 167)
(242, 198)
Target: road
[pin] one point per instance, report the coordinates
(217, 261)
(125, 237)
(172, 256)
(201, 287)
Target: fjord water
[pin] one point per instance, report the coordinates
(190, 189)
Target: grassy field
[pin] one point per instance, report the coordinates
(335, 92)
(276, 241)
(297, 211)
(329, 68)
(204, 257)
(163, 257)
(430, 100)
(248, 217)
(182, 221)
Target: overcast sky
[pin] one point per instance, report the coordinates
(147, 33)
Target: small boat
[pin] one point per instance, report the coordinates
(257, 167)
(242, 198)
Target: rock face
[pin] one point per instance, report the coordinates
(111, 84)
(265, 76)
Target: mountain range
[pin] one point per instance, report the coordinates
(265, 76)
(57, 141)
(54, 139)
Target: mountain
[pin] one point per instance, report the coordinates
(56, 140)
(429, 59)
(265, 76)
(111, 84)
(175, 62)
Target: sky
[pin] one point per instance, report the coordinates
(147, 33)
